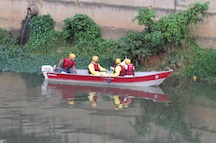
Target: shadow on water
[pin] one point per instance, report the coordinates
(32, 111)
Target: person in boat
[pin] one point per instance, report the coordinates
(94, 68)
(129, 68)
(68, 65)
(119, 69)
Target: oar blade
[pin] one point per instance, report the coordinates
(108, 80)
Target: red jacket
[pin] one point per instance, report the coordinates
(130, 69)
(96, 67)
(122, 72)
(68, 63)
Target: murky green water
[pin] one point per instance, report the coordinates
(34, 111)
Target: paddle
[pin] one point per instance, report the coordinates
(109, 79)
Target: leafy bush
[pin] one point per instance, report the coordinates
(196, 12)
(6, 39)
(131, 46)
(80, 27)
(173, 28)
(159, 36)
(145, 17)
(41, 26)
(42, 35)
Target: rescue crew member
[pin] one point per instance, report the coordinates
(129, 67)
(68, 64)
(118, 70)
(94, 68)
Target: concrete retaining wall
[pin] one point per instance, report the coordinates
(113, 16)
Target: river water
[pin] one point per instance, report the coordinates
(35, 111)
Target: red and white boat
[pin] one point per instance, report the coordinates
(140, 79)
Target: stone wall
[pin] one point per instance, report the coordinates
(113, 16)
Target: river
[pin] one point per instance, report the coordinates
(35, 111)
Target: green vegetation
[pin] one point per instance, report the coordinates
(204, 67)
(168, 33)
(80, 27)
(168, 37)
(42, 36)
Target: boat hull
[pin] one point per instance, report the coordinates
(150, 79)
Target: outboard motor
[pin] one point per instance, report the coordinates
(45, 69)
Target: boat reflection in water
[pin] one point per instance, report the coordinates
(122, 97)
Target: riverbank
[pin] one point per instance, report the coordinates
(162, 44)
